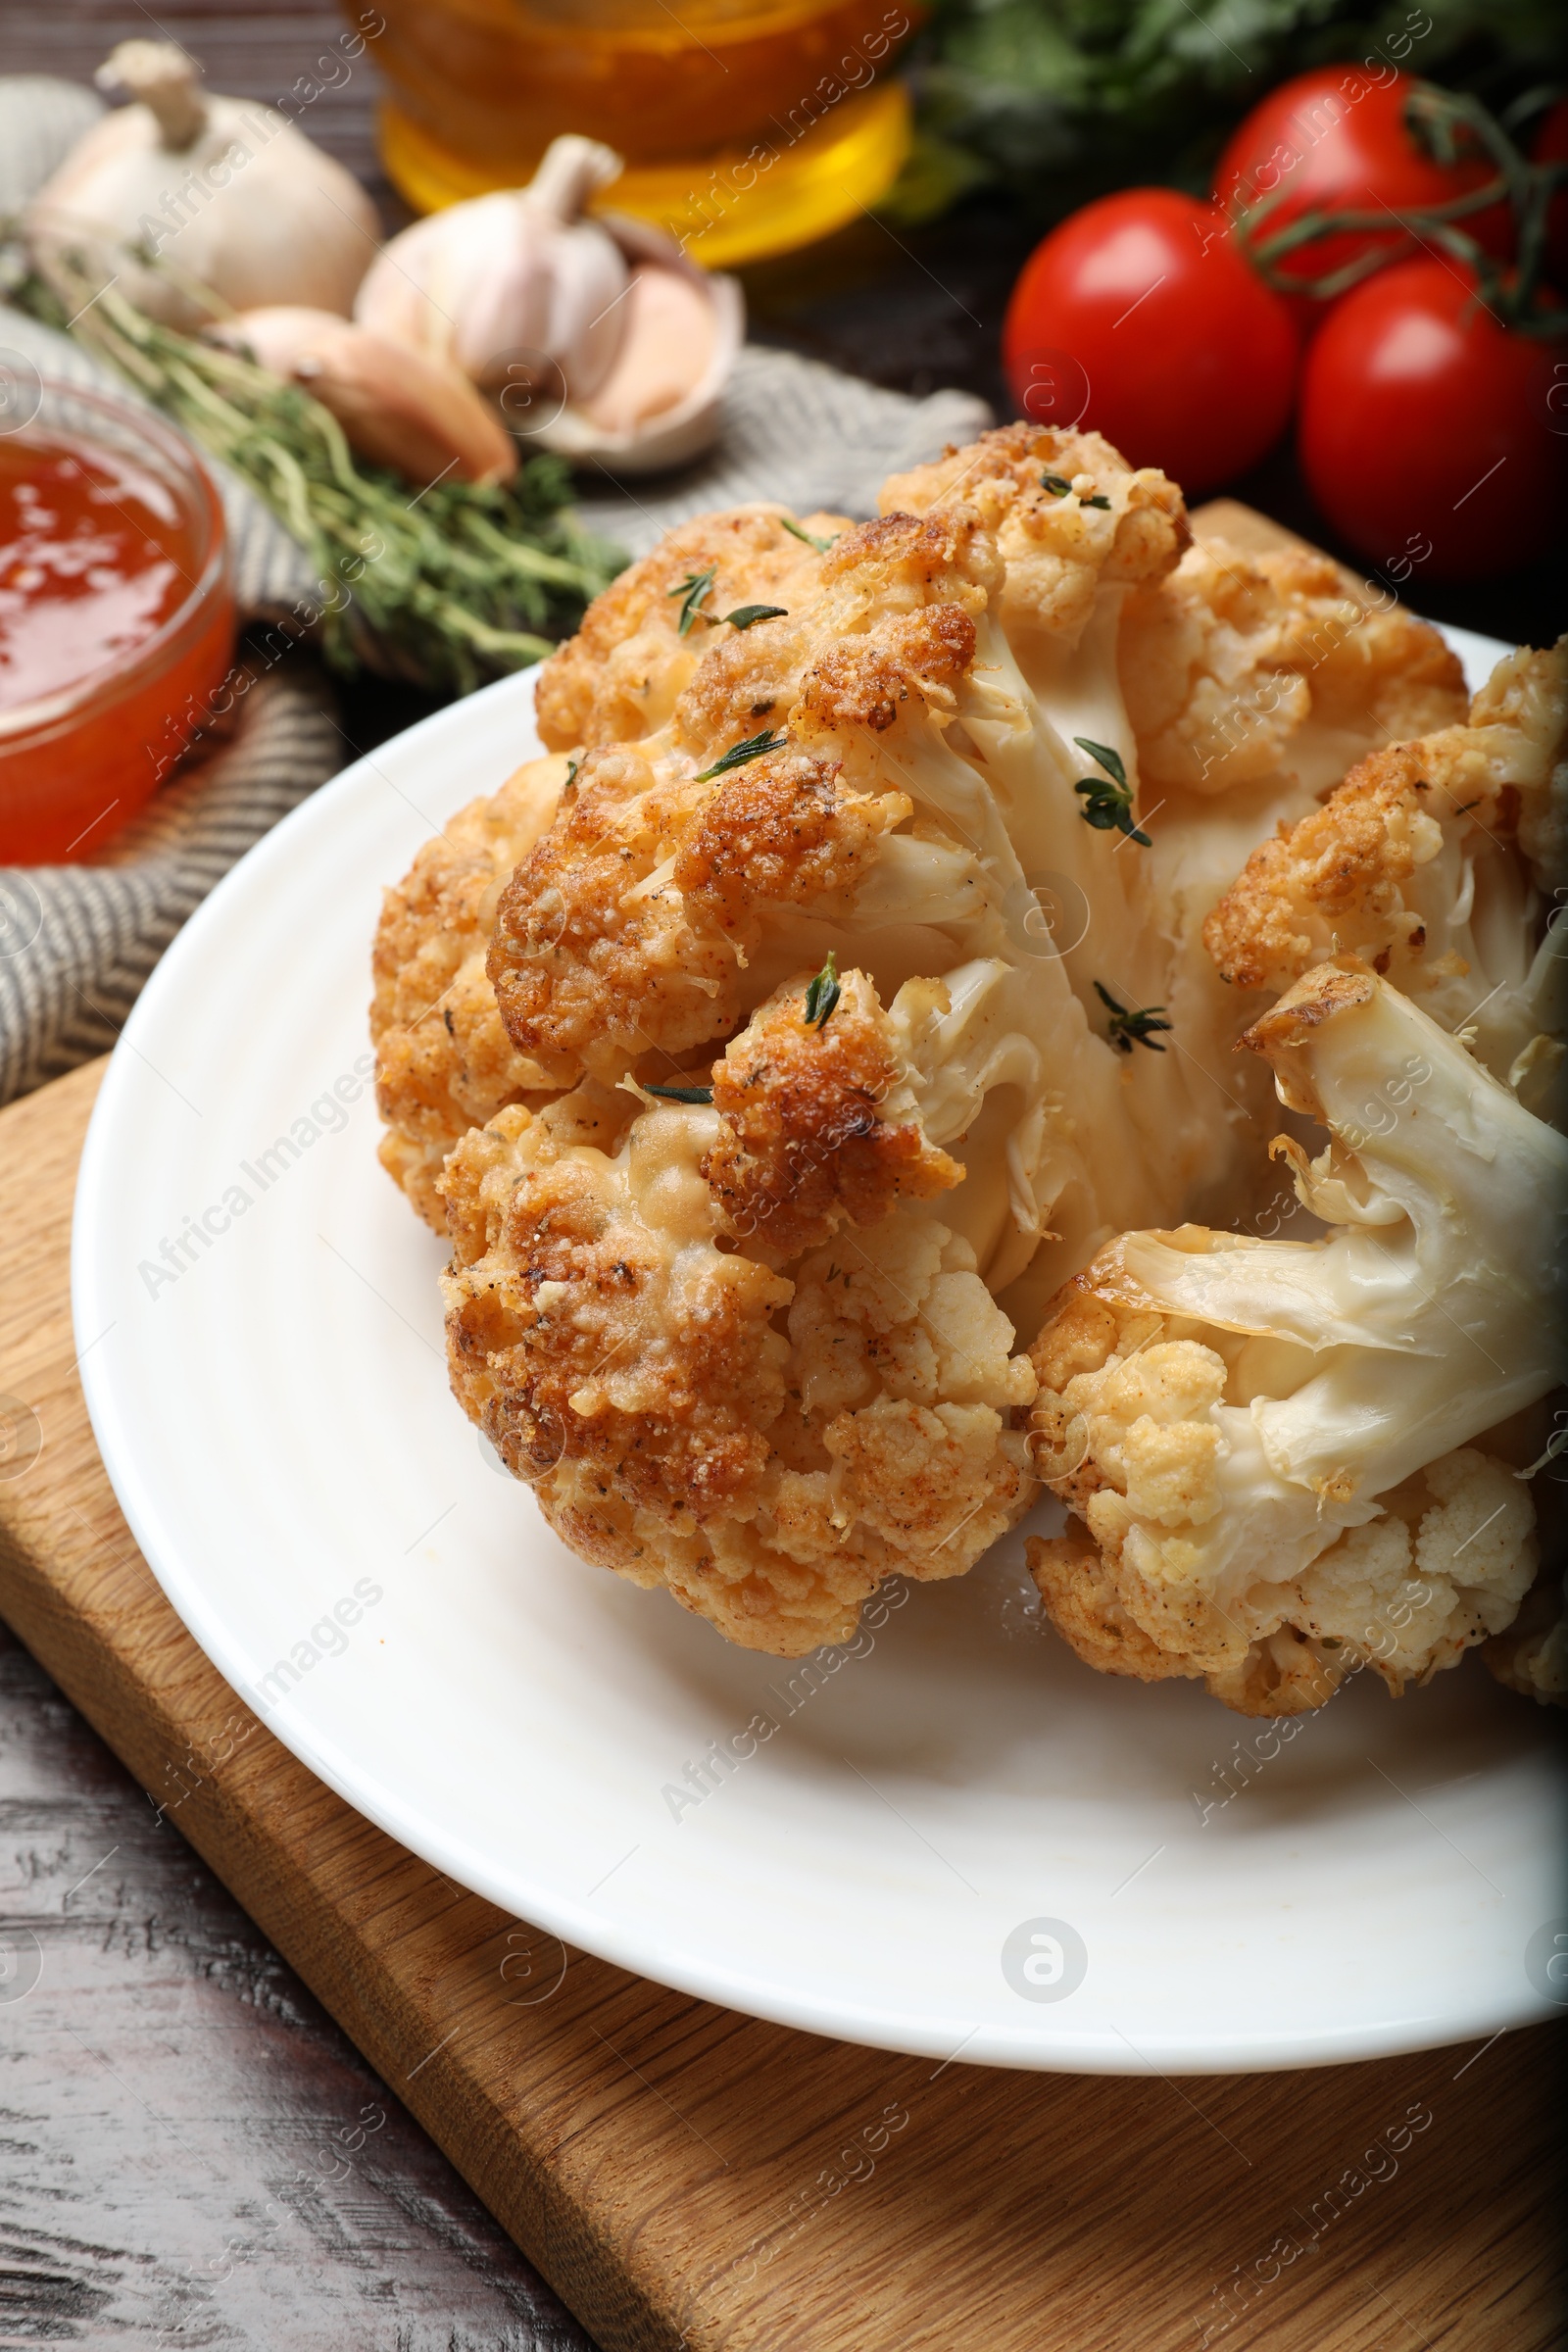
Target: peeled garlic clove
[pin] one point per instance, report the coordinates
(666, 345)
(226, 191)
(396, 406)
(661, 404)
(518, 271)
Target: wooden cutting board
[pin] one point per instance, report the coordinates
(690, 2177)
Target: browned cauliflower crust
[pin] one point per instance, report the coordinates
(768, 1449)
(444, 1063)
(1265, 1445)
(804, 1145)
(1238, 666)
(1058, 549)
(620, 676)
(1430, 861)
(621, 936)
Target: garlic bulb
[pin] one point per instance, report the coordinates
(226, 191)
(518, 270)
(608, 310)
(396, 407)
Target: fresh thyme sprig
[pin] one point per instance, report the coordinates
(693, 592)
(746, 617)
(822, 995)
(450, 585)
(756, 746)
(1107, 806)
(795, 532)
(1128, 1029)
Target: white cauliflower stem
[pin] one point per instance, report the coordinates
(1267, 1443)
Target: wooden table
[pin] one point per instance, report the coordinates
(195, 2152)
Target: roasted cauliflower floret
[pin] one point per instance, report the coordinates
(1267, 1444)
(621, 676)
(444, 1061)
(1069, 517)
(1428, 861)
(768, 1449)
(1238, 666)
(624, 933)
(806, 1141)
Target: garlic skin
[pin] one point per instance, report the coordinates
(642, 340)
(396, 407)
(226, 191)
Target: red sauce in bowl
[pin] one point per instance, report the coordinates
(93, 560)
(116, 618)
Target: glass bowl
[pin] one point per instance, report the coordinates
(79, 758)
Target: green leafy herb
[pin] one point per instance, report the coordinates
(681, 1094)
(1108, 806)
(795, 531)
(823, 993)
(1129, 1029)
(756, 746)
(746, 617)
(1059, 487)
(693, 593)
(453, 584)
(571, 771)
(1058, 100)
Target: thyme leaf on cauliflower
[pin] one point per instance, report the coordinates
(1108, 806)
(694, 591)
(1128, 1029)
(808, 538)
(746, 617)
(823, 993)
(755, 747)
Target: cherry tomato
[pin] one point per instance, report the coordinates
(1336, 140)
(1551, 147)
(1139, 318)
(1427, 429)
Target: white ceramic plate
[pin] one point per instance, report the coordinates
(955, 1839)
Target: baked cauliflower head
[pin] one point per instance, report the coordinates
(1269, 1448)
(856, 995)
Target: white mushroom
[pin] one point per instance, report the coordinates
(224, 191)
(597, 335)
